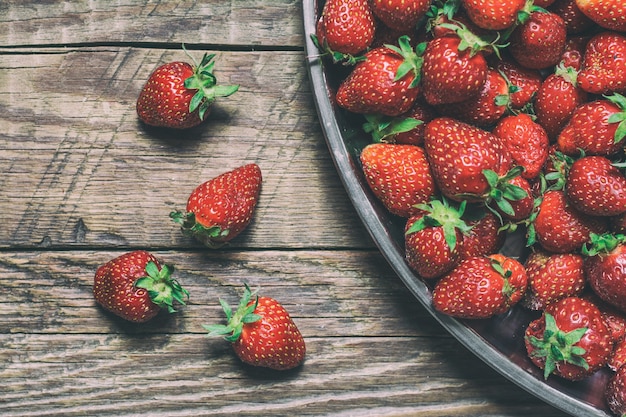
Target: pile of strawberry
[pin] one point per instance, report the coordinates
(494, 116)
(136, 286)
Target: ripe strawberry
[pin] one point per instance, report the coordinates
(596, 187)
(618, 224)
(261, 332)
(539, 42)
(574, 52)
(399, 176)
(493, 14)
(345, 28)
(401, 15)
(558, 227)
(618, 356)
(523, 82)
(485, 235)
(526, 141)
(178, 95)
(570, 339)
(454, 68)
(485, 108)
(575, 20)
(557, 98)
(386, 82)
(615, 318)
(604, 66)
(135, 287)
(597, 128)
(551, 277)
(434, 237)
(480, 287)
(605, 267)
(609, 14)
(615, 392)
(221, 208)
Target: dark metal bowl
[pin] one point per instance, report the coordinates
(499, 341)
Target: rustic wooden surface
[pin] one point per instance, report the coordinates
(83, 181)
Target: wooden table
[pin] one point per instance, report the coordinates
(83, 181)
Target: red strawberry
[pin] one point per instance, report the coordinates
(618, 224)
(221, 208)
(597, 128)
(596, 187)
(610, 14)
(480, 287)
(539, 42)
(618, 356)
(434, 237)
(135, 287)
(605, 268)
(526, 141)
(262, 333)
(557, 98)
(485, 236)
(179, 96)
(523, 82)
(604, 64)
(401, 15)
(399, 176)
(493, 14)
(454, 68)
(615, 392)
(575, 20)
(345, 28)
(558, 227)
(485, 108)
(574, 52)
(570, 339)
(551, 277)
(386, 82)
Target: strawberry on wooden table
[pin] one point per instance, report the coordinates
(261, 332)
(221, 208)
(481, 287)
(399, 176)
(570, 339)
(604, 64)
(178, 95)
(135, 287)
(605, 267)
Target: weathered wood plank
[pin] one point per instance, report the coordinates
(80, 170)
(239, 23)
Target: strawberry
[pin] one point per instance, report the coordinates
(178, 95)
(401, 15)
(526, 141)
(480, 287)
(558, 227)
(618, 356)
(484, 236)
(604, 66)
(454, 68)
(386, 82)
(557, 98)
(135, 287)
(570, 339)
(486, 107)
(597, 128)
(539, 42)
(605, 267)
(493, 14)
(399, 176)
(609, 14)
(551, 277)
(434, 237)
(596, 187)
(222, 207)
(618, 223)
(523, 82)
(575, 20)
(615, 392)
(261, 332)
(344, 29)
(574, 52)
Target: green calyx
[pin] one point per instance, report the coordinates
(619, 117)
(337, 57)
(602, 244)
(235, 321)
(413, 59)
(213, 236)
(204, 81)
(502, 192)
(556, 346)
(383, 127)
(162, 289)
(439, 213)
(472, 42)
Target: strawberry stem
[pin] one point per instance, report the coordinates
(162, 289)
(244, 314)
